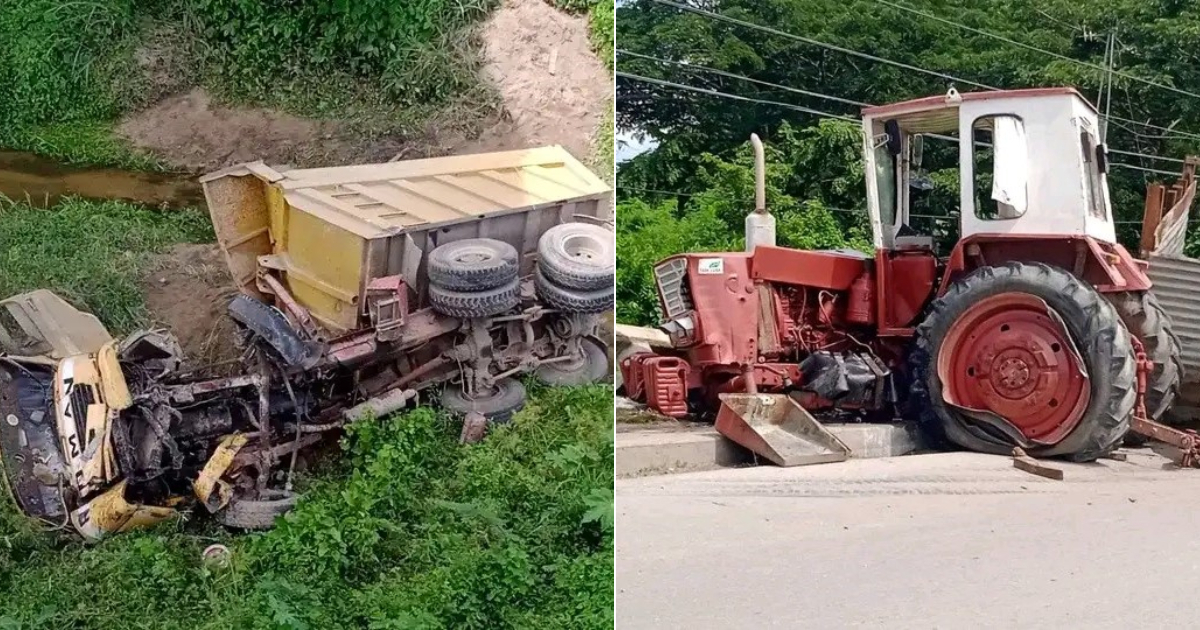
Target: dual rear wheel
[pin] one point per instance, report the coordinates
(1028, 355)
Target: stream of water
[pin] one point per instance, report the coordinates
(44, 181)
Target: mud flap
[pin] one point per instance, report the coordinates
(775, 427)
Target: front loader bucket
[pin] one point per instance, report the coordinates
(777, 428)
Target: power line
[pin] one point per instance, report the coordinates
(817, 112)
(691, 88)
(1154, 157)
(1014, 42)
(830, 97)
(1142, 168)
(898, 64)
(741, 77)
(815, 42)
(862, 211)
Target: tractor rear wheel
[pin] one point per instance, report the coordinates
(1146, 320)
(1024, 355)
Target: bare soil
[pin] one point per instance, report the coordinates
(187, 289)
(553, 89)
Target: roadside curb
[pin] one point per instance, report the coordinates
(642, 452)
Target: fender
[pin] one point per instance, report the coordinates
(1106, 266)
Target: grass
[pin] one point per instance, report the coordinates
(411, 530)
(92, 253)
(81, 143)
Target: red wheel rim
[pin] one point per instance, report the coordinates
(1007, 355)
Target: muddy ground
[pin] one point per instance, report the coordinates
(553, 90)
(187, 289)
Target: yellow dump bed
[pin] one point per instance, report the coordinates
(332, 230)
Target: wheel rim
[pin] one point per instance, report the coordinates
(471, 256)
(1008, 355)
(582, 248)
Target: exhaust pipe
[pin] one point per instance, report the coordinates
(760, 225)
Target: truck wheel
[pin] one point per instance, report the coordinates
(498, 406)
(473, 264)
(1146, 320)
(592, 367)
(1024, 355)
(578, 256)
(574, 300)
(257, 513)
(475, 304)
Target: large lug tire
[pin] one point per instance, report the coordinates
(592, 367)
(257, 514)
(578, 256)
(498, 405)
(1020, 339)
(1147, 321)
(475, 304)
(573, 300)
(473, 264)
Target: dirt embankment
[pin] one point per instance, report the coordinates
(187, 289)
(553, 89)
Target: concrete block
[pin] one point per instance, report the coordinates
(867, 441)
(656, 452)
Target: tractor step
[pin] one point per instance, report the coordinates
(776, 428)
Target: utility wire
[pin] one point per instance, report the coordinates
(692, 88)
(1014, 42)
(1154, 157)
(862, 211)
(830, 97)
(891, 62)
(815, 42)
(1142, 168)
(815, 112)
(740, 77)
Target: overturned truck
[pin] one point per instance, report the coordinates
(361, 288)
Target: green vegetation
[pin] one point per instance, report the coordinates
(71, 66)
(91, 253)
(601, 17)
(409, 531)
(672, 188)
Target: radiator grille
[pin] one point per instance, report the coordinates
(672, 284)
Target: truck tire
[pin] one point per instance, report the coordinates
(592, 367)
(1146, 320)
(475, 304)
(1035, 358)
(473, 264)
(256, 514)
(573, 300)
(498, 406)
(578, 256)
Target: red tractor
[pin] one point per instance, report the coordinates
(1038, 330)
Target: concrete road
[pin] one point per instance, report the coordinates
(955, 540)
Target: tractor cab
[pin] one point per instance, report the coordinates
(1029, 162)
